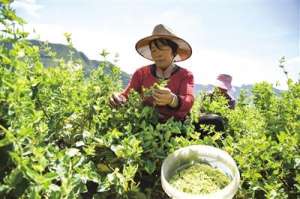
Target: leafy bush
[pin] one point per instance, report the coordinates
(59, 138)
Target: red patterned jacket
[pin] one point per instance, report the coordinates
(181, 83)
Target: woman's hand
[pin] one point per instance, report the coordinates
(164, 96)
(116, 100)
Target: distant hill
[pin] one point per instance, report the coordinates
(63, 51)
(236, 89)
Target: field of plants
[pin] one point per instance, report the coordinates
(60, 139)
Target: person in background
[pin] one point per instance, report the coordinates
(223, 88)
(165, 49)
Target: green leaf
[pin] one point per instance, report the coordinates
(150, 166)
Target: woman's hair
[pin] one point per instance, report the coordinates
(165, 42)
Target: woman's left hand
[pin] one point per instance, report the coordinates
(162, 96)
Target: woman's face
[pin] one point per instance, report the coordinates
(162, 56)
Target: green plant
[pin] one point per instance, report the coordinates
(59, 138)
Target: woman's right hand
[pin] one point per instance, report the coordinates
(116, 100)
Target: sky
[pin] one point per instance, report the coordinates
(243, 38)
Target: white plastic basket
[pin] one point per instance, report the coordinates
(215, 157)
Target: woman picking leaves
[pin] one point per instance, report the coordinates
(222, 88)
(175, 98)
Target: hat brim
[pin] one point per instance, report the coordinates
(184, 50)
(221, 84)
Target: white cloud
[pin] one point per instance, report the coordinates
(30, 7)
(51, 32)
(91, 42)
(175, 16)
(205, 64)
(293, 68)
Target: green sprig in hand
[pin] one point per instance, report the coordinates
(148, 92)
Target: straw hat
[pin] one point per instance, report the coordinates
(184, 50)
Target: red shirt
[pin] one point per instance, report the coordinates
(181, 83)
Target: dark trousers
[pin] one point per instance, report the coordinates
(209, 119)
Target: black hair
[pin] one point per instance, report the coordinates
(165, 42)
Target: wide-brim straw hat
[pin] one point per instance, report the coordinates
(184, 50)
